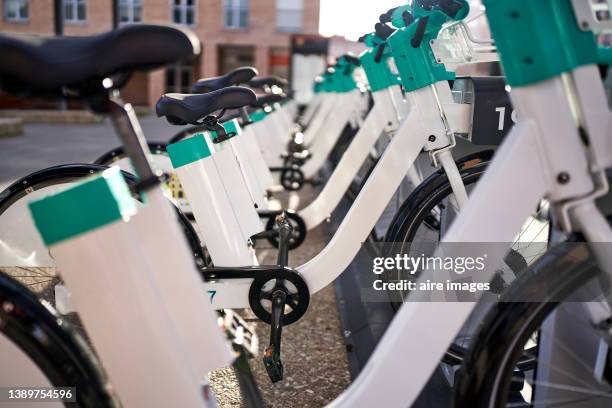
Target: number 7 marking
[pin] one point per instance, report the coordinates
(502, 117)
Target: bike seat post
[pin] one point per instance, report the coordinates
(127, 127)
(244, 116)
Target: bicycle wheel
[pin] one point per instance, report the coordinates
(421, 221)
(554, 289)
(38, 348)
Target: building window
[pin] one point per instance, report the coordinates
(234, 56)
(16, 10)
(236, 14)
(75, 11)
(289, 15)
(179, 77)
(183, 11)
(130, 11)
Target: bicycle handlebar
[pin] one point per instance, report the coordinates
(351, 59)
(417, 39)
(383, 31)
(388, 16)
(449, 7)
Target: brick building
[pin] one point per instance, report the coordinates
(233, 33)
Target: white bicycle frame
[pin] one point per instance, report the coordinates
(530, 152)
(385, 116)
(412, 137)
(348, 107)
(212, 185)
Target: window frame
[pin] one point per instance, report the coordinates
(183, 7)
(75, 9)
(236, 7)
(19, 18)
(131, 4)
(178, 70)
(287, 29)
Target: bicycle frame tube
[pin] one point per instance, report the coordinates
(312, 108)
(327, 108)
(381, 116)
(325, 141)
(261, 172)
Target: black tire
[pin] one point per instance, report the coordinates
(118, 153)
(292, 178)
(298, 234)
(415, 212)
(51, 345)
(416, 209)
(486, 377)
(249, 390)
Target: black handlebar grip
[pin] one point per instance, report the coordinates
(450, 7)
(383, 31)
(352, 59)
(427, 4)
(386, 17)
(420, 32)
(407, 17)
(362, 38)
(379, 53)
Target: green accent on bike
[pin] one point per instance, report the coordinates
(605, 55)
(397, 19)
(232, 128)
(338, 79)
(538, 40)
(89, 205)
(343, 76)
(257, 116)
(378, 73)
(190, 150)
(417, 66)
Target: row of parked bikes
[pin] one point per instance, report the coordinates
(153, 245)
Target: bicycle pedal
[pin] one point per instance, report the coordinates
(239, 332)
(273, 364)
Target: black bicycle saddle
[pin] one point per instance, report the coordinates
(181, 109)
(266, 100)
(43, 65)
(261, 82)
(236, 77)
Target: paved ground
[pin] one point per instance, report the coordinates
(316, 368)
(44, 145)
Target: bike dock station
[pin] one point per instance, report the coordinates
(458, 169)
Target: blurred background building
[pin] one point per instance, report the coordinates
(233, 33)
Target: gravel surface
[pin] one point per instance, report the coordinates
(313, 351)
